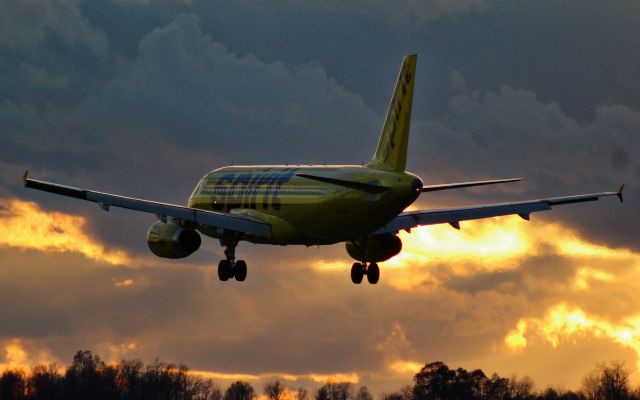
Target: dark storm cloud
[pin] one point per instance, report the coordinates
(486, 134)
(191, 88)
(25, 25)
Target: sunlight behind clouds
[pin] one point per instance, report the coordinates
(27, 226)
(563, 322)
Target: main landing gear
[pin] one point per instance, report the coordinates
(359, 270)
(230, 268)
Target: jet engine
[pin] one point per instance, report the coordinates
(379, 247)
(170, 240)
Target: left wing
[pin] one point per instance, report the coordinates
(238, 223)
(453, 216)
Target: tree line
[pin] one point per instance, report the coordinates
(88, 377)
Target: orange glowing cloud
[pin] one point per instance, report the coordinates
(494, 244)
(562, 322)
(585, 276)
(123, 283)
(16, 356)
(26, 226)
(314, 377)
(405, 367)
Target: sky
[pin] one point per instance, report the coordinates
(142, 97)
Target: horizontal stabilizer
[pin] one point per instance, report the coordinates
(365, 187)
(446, 186)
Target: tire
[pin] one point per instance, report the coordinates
(224, 268)
(357, 273)
(373, 273)
(240, 270)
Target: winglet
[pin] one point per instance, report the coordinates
(25, 176)
(619, 193)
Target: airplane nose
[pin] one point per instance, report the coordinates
(416, 185)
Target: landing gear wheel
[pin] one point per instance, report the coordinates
(225, 271)
(357, 273)
(240, 270)
(373, 273)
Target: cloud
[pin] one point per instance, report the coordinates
(401, 13)
(184, 81)
(21, 354)
(513, 130)
(26, 24)
(563, 322)
(27, 226)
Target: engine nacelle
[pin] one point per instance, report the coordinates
(379, 247)
(170, 240)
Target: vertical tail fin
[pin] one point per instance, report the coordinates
(391, 154)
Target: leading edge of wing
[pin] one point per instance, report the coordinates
(458, 185)
(453, 216)
(243, 224)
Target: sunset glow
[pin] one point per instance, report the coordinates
(569, 323)
(405, 367)
(492, 244)
(314, 377)
(15, 355)
(27, 226)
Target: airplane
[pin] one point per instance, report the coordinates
(360, 205)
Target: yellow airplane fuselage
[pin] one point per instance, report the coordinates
(302, 210)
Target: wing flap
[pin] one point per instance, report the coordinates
(411, 219)
(201, 217)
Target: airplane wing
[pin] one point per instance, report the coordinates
(446, 186)
(453, 216)
(238, 223)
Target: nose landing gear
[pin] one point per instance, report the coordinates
(359, 270)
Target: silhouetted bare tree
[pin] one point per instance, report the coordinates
(391, 396)
(607, 382)
(407, 392)
(239, 390)
(89, 377)
(129, 379)
(335, 391)
(520, 389)
(363, 394)
(435, 381)
(302, 394)
(46, 383)
(13, 385)
(274, 390)
(322, 393)
(497, 388)
(432, 382)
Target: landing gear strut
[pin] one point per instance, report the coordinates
(229, 267)
(359, 270)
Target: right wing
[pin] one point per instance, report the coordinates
(453, 216)
(238, 223)
(446, 186)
